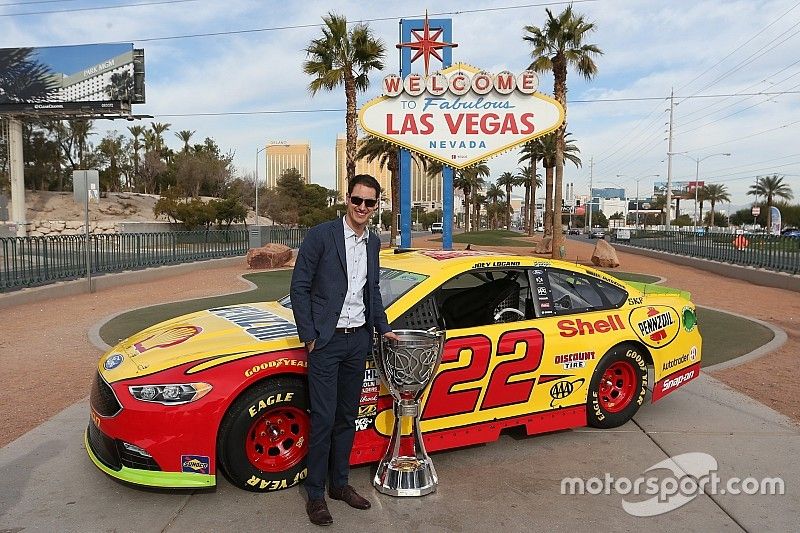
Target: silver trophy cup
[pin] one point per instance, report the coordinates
(407, 367)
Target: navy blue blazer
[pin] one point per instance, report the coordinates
(319, 284)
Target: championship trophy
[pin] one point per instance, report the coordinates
(407, 367)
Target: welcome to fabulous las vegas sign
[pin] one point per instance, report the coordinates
(461, 114)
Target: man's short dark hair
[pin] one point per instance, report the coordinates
(367, 181)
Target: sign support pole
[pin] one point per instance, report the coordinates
(406, 25)
(88, 235)
(17, 175)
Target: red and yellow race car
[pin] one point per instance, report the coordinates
(545, 345)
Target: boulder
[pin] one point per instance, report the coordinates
(604, 255)
(545, 246)
(269, 256)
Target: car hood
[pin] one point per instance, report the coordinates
(204, 337)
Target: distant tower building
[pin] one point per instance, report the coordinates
(282, 155)
(425, 191)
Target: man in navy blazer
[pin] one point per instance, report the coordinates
(336, 301)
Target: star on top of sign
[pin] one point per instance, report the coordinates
(426, 44)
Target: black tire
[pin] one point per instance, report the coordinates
(614, 401)
(263, 438)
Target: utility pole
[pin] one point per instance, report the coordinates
(591, 198)
(669, 158)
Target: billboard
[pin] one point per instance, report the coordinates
(64, 79)
(680, 189)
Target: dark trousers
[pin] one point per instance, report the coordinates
(335, 379)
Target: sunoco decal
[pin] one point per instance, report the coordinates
(655, 325)
(195, 464)
(259, 324)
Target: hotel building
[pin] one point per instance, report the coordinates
(425, 191)
(283, 155)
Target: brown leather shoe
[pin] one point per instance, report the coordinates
(349, 495)
(318, 512)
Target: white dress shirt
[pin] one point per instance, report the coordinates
(355, 248)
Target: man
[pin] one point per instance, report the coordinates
(336, 303)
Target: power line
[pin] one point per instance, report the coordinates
(340, 110)
(319, 24)
(762, 30)
(35, 2)
(97, 8)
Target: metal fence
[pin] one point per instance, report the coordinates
(29, 261)
(773, 252)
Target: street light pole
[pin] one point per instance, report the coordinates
(258, 151)
(697, 161)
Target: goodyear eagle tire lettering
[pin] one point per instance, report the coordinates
(618, 387)
(263, 438)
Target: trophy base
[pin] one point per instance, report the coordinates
(405, 476)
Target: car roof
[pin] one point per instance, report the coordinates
(430, 261)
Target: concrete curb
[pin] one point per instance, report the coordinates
(106, 281)
(759, 276)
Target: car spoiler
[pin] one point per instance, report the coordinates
(652, 288)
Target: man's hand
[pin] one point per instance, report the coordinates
(310, 345)
(391, 335)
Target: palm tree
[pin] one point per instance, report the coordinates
(478, 201)
(523, 181)
(507, 180)
(185, 136)
(549, 162)
(702, 196)
(80, 130)
(531, 182)
(23, 78)
(465, 180)
(388, 155)
(136, 132)
(120, 86)
(158, 131)
(342, 57)
(556, 46)
(771, 187)
(494, 194)
(532, 152)
(660, 203)
(716, 192)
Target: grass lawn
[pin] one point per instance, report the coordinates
(499, 237)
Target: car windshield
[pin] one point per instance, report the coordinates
(393, 283)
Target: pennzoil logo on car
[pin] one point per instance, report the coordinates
(655, 325)
(195, 464)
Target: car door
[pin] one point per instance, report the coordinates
(580, 320)
(491, 358)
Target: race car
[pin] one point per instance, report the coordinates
(538, 344)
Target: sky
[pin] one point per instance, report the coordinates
(238, 85)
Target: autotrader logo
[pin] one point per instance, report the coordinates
(672, 483)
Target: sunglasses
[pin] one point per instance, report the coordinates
(369, 202)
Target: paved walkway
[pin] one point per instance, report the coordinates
(50, 485)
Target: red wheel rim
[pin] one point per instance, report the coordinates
(277, 439)
(617, 387)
